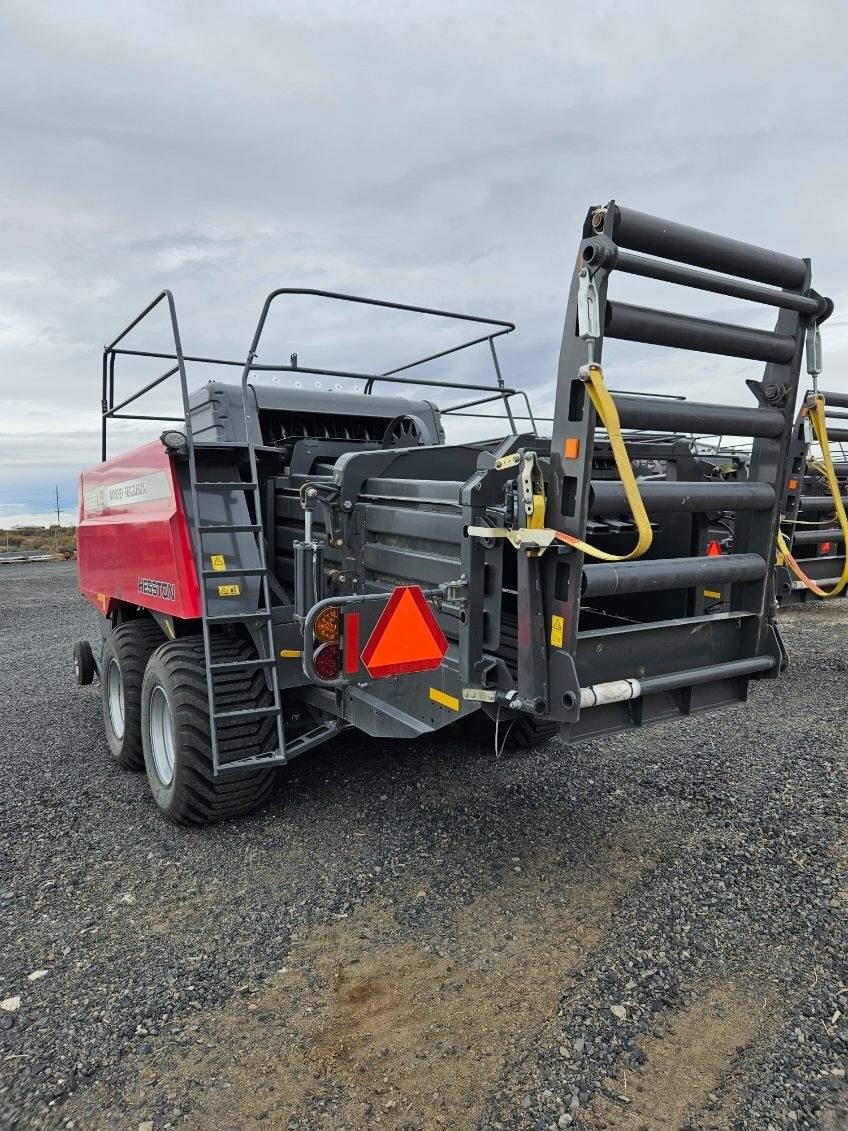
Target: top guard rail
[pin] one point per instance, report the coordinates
(498, 392)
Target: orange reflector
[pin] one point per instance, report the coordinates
(713, 549)
(825, 547)
(571, 447)
(326, 625)
(793, 483)
(406, 638)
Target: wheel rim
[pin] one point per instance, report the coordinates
(115, 697)
(161, 732)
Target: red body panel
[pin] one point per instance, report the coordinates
(133, 541)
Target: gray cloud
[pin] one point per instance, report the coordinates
(434, 153)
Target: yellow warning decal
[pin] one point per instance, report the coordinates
(712, 593)
(557, 631)
(443, 699)
(218, 563)
(229, 591)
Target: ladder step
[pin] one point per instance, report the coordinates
(219, 445)
(243, 665)
(244, 528)
(236, 571)
(232, 618)
(223, 485)
(247, 713)
(270, 758)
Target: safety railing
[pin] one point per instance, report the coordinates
(497, 392)
(490, 393)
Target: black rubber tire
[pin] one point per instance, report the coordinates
(130, 645)
(84, 668)
(525, 732)
(515, 731)
(192, 797)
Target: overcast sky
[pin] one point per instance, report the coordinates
(435, 153)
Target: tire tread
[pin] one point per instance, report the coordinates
(198, 799)
(133, 643)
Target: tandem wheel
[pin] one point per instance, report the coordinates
(176, 732)
(84, 667)
(126, 651)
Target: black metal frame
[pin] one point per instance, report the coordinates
(260, 623)
(688, 660)
(611, 234)
(497, 392)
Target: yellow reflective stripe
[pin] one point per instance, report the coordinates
(443, 699)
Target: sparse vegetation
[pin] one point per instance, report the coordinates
(38, 540)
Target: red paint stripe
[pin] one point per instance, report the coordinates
(351, 643)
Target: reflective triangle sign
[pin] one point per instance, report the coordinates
(406, 638)
(713, 549)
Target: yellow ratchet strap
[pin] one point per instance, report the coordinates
(536, 519)
(608, 416)
(816, 412)
(535, 536)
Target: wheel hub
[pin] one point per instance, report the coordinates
(115, 698)
(161, 734)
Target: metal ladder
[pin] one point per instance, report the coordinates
(260, 620)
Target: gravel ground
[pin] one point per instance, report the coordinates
(646, 932)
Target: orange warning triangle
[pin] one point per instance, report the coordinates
(406, 638)
(713, 549)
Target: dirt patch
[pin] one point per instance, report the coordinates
(373, 1028)
(685, 1067)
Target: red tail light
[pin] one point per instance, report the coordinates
(327, 660)
(826, 547)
